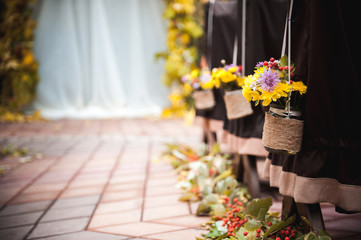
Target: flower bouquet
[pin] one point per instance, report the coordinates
(230, 79)
(201, 82)
(271, 83)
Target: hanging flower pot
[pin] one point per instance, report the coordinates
(282, 131)
(204, 99)
(271, 84)
(200, 82)
(236, 104)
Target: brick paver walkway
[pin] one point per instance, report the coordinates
(97, 181)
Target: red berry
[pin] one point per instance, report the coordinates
(272, 59)
(291, 68)
(275, 64)
(265, 63)
(287, 238)
(278, 238)
(287, 232)
(240, 68)
(257, 235)
(291, 81)
(269, 224)
(292, 75)
(285, 68)
(258, 230)
(235, 199)
(280, 68)
(245, 233)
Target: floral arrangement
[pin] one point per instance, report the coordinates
(181, 56)
(18, 67)
(183, 30)
(208, 178)
(271, 82)
(228, 77)
(205, 177)
(198, 79)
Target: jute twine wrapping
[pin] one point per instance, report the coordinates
(237, 105)
(282, 133)
(204, 99)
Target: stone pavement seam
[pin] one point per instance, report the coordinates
(63, 190)
(28, 184)
(147, 170)
(117, 162)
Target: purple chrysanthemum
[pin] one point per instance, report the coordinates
(269, 80)
(259, 64)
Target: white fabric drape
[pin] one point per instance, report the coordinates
(97, 58)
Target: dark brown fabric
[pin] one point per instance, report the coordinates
(265, 22)
(325, 47)
(224, 28)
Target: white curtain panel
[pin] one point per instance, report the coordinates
(96, 58)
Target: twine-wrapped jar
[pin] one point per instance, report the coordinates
(236, 104)
(204, 99)
(282, 131)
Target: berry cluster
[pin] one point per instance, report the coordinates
(233, 220)
(274, 64)
(285, 234)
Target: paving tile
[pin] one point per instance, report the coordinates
(164, 200)
(191, 221)
(45, 187)
(35, 197)
(164, 190)
(118, 206)
(84, 191)
(122, 195)
(139, 229)
(19, 219)
(67, 213)
(86, 235)
(16, 233)
(88, 182)
(109, 219)
(161, 182)
(178, 235)
(76, 201)
(59, 227)
(24, 208)
(124, 186)
(127, 179)
(180, 209)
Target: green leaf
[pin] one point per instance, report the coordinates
(252, 225)
(284, 61)
(211, 198)
(323, 233)
(187, 197)
(255, 206)
(203, 209)
(324, 237)
(219, 210)
(280, 225)
(262, 214)
(239, 234)
(310, 236)
(222, 176)
(215, 148)
(221, 228)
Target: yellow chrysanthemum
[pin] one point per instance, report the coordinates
(299, 86)
(207, 85)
